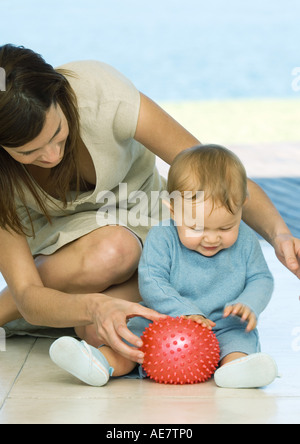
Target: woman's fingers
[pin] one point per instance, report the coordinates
(144, 312)
(115, 331)
(287, 249)
(112, 326)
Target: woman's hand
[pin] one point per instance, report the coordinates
(110, 316)
(287, 249)
(244, 312)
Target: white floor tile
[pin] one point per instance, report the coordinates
(34, 390)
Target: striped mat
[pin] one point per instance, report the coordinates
(285, 194)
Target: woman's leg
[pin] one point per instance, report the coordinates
(128, 290)
(105, 259)
(107, 256)
(8, 308)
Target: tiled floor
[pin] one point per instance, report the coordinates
(33, 390)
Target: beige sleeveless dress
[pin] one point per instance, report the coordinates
(108, 108)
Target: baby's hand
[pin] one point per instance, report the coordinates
(244, 312)
(201, 320)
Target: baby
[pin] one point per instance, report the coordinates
(202, 264)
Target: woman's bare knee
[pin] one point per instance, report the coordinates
(110, 257)
(107, 256)
(8, 309)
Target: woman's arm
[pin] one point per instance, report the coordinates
(261, 215)
(37, 304)
(47, 307)
(160, 133)
(165, 137)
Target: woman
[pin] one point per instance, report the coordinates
(65, 136)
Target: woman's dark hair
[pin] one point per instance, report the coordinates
(32, 87)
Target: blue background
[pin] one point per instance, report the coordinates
(175, 50)
(171, 49)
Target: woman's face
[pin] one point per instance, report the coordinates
(47, 149)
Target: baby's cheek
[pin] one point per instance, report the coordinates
(230, 239)
(191, 239)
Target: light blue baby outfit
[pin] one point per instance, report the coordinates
(177, 281)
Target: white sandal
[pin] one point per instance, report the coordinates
(253, 371)
(81, 360)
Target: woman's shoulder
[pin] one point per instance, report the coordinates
(105, 96)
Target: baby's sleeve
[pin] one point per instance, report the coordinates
(154, 276)
(259, 280)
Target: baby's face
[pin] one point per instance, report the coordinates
(221, 230)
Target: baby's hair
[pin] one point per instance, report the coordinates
(213, 169)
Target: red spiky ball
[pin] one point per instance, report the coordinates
(179, 351)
